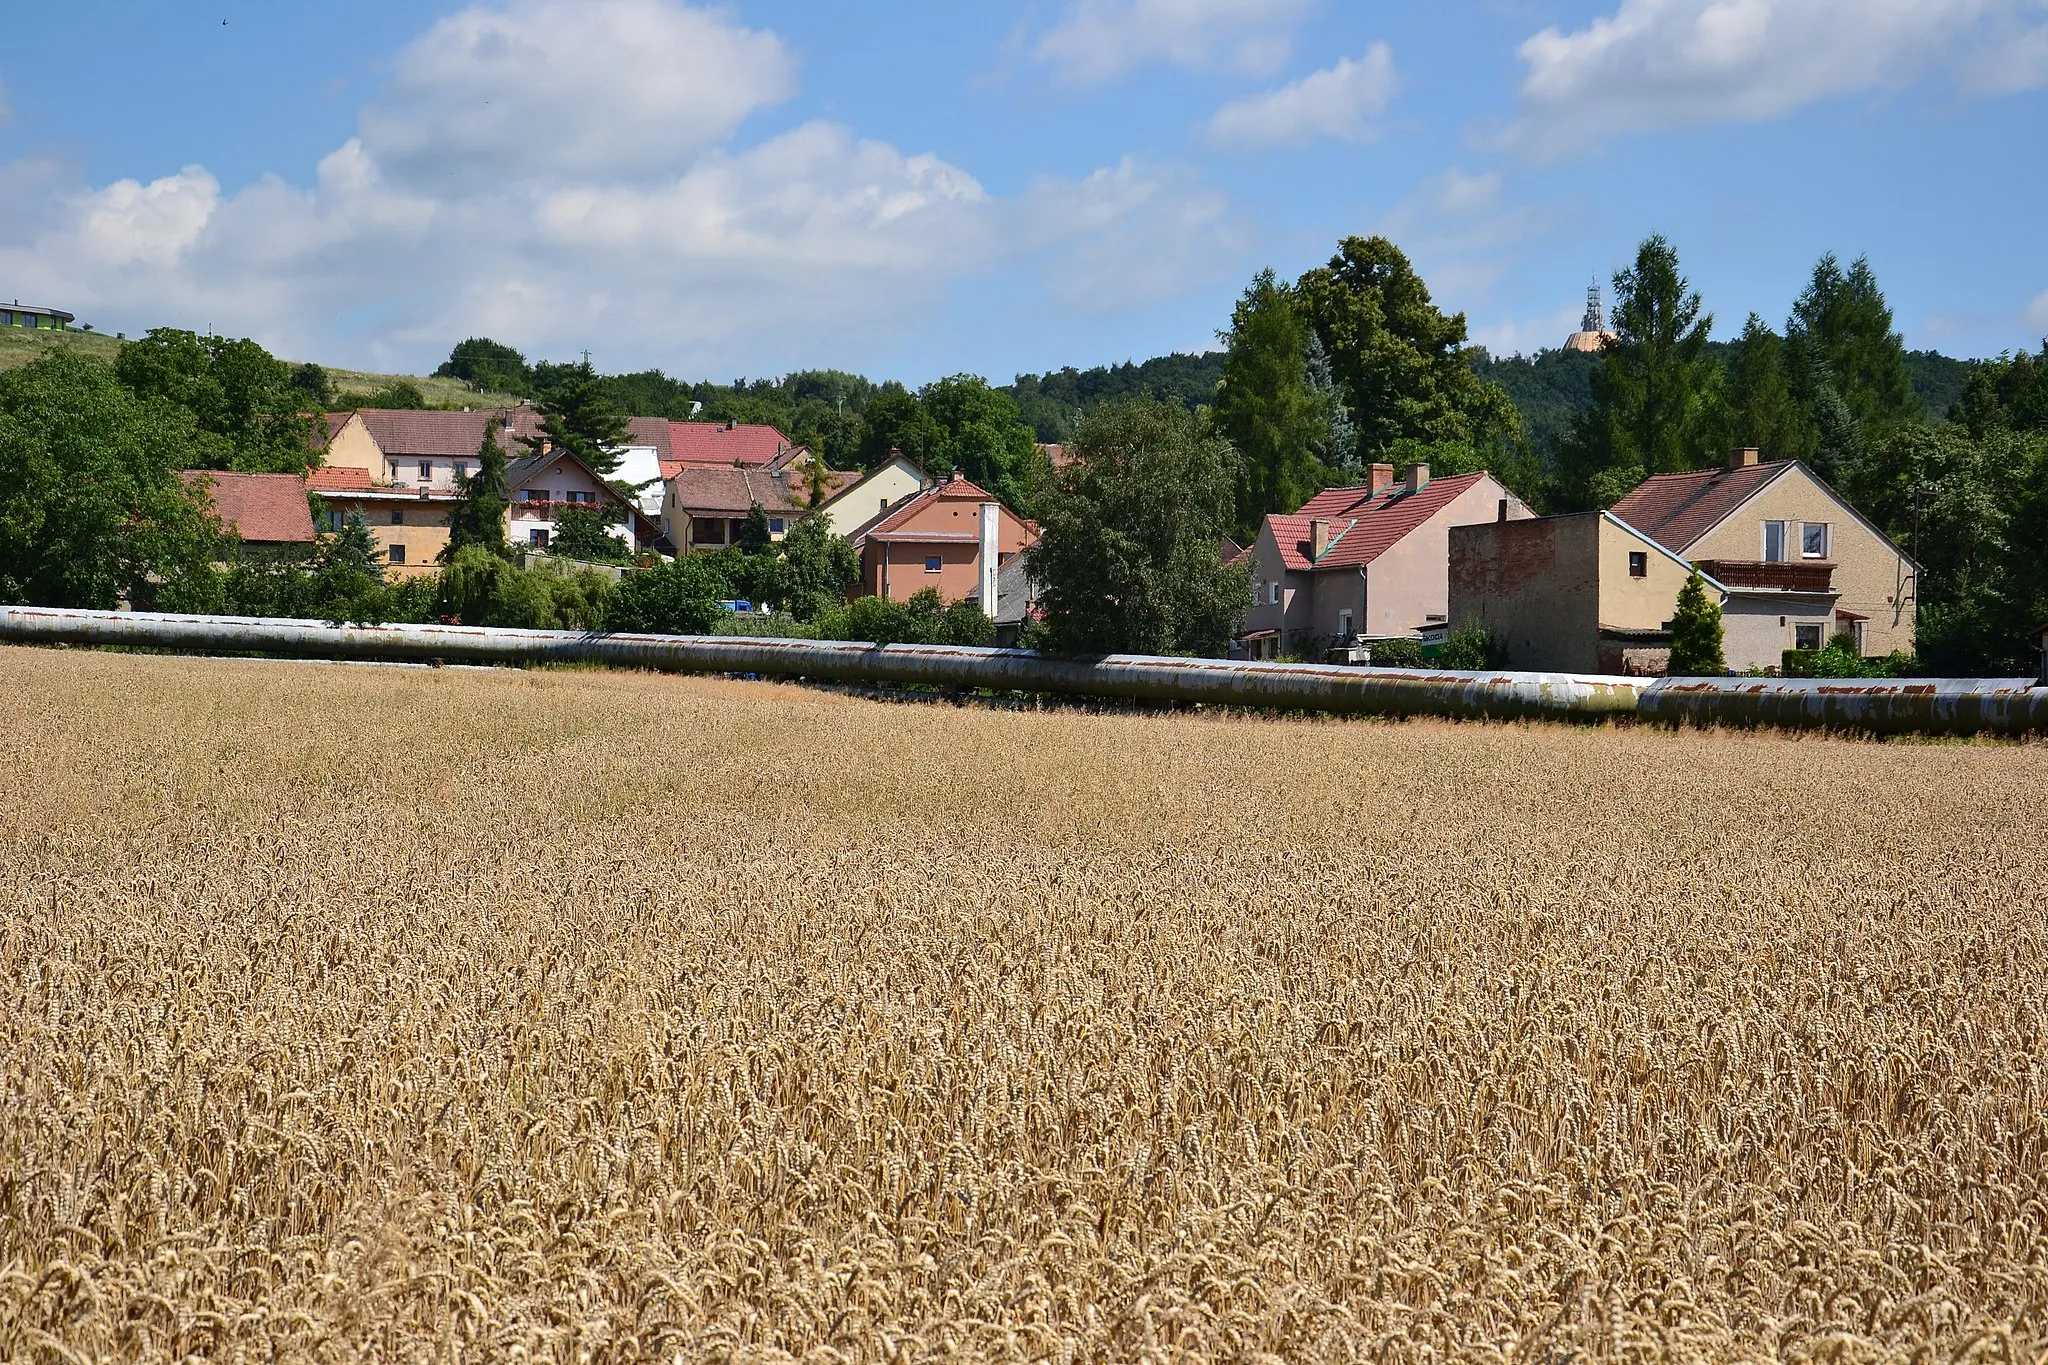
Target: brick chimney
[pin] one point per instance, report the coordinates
(1318, 538)
(1742, 457)
(1417, 477)
(1381, 477)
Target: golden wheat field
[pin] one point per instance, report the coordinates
(363, 1013)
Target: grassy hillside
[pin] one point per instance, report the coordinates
(18, 347)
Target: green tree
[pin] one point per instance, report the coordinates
(401, 395)
(1400, 360)
(1843, 326)
(2006, 394)
(479, 588)
(1696, 648)
(1654, 394)
(348, 575)
(1757, 405)
(1470, 645)
(583, 531)
(754, 536)
(683, 597)
(92, 511)
(983, 436)
(924, 619)
(576, 416)
(1338, 446)
(817, 570)
(1128, 558)
(1267, 408)
(247, 413)
(896, 421)
(487, 366)
(479, 517)
(312, 381)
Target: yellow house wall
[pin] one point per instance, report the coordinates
(1873, 579)
(858, 505)
(354, 448)
(1636, 603)
(423, 533)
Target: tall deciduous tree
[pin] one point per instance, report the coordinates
(896, 421)
(479, 518)
(576, 415)
(1400, 360)
(982, 435)
(1654, 393)
(1266, 407)
(1128, 560)
(247, 412)
(92, 511)
(487, 366)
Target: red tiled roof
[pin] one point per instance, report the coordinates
(1362, 526)
(715, 443)
(338, 479)
(1059, 456)
(1675, 510)
(264, 509)
(892, 520)
(725, 491)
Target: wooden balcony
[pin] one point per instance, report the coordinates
(1803, 575)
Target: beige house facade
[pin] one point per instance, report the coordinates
(887, 484)
(1364, 563)
(1797, 563)
(1585, 593)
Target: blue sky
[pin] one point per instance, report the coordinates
(913, 189)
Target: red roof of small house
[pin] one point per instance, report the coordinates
(338, 479)
(724, 443)
(894, 523)
(1675, 510)
(1059, 456)
(725, 491)
(1363, 525)
(264, 509)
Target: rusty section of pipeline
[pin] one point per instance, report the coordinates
(1884, 706)
(1938, 706)
(1310, 687)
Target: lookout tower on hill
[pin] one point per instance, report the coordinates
(1592, 333)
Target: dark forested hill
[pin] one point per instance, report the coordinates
(1054, 401)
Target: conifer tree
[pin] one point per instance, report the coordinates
(479, 518)
(577, 416)
(1266, 408)
(1696, 638)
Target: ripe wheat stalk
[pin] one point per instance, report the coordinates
(359, 1013)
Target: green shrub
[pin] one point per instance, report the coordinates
(925, 619)
(1471, 646)
(480, 589)
(1696, 649)
(1397, 654)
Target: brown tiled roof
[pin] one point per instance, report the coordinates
(717, 444)
(338, 479)
(264, 509)
(1362, 526)
(1675, 510)
(893, 523)
(334, 422)
(712, 490)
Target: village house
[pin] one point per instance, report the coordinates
(751, 444)
(1796, 562)
(707, 505)
(953, 536)
(1585, 593)
(1364, 563)
(859, 501)
(403, 471)
(266, 511)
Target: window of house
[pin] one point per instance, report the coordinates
(398, 516)
(1273, 594)
(426, 471)
(395, 554)
(574, 495)
(534, 494)
(1806, 635)
(1344, 625)
(1774, 542)
(462, 469)
(1638, 563)
(538, 536)
(775, 526)
(1813, 540)
(932, 563)
(1856, 633)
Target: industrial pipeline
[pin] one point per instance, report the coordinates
(1888, 706)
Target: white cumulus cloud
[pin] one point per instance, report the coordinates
(1340, 102)
(1663, 64)
(611, 207)
(1097, 40)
